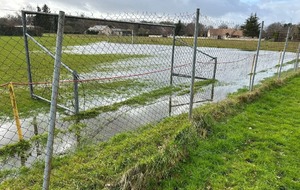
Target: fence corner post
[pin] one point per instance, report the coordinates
(55, 87)
(196, 32)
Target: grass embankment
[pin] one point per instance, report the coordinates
(257, 148)
(248, 145)
(106, 164)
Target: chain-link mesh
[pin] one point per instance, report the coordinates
(236, 52)
(118, 73)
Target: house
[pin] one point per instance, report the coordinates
(27, 26)
(99, 29)
(106, 30)
(224, 33)
(121, 32)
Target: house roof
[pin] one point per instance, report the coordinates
(98, 28)
(224, 32)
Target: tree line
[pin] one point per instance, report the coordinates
(48, 23)
(276, 31)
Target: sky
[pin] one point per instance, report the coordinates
(269, 11)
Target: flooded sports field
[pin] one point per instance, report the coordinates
(121, 93)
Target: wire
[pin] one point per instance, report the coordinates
(92, 79)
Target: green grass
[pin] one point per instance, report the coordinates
(198, 86)
(139, 100)
(254, 149)
(26, 105)
(248, 45)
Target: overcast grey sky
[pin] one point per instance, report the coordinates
(270, 11)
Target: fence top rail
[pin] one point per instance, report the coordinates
(103, 20)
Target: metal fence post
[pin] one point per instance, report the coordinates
(194, 64)
(24, 22)
(251, 71)
(172, 70)
(214, 79)
(132, 37)
(256, 57)
(285, 46)
(55, 86)
(76, 96)
(297, 58)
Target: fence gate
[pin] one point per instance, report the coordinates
(40, 61)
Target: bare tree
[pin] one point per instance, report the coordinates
(275, 31)
(223, 26)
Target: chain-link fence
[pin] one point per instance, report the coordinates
(119, 73)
